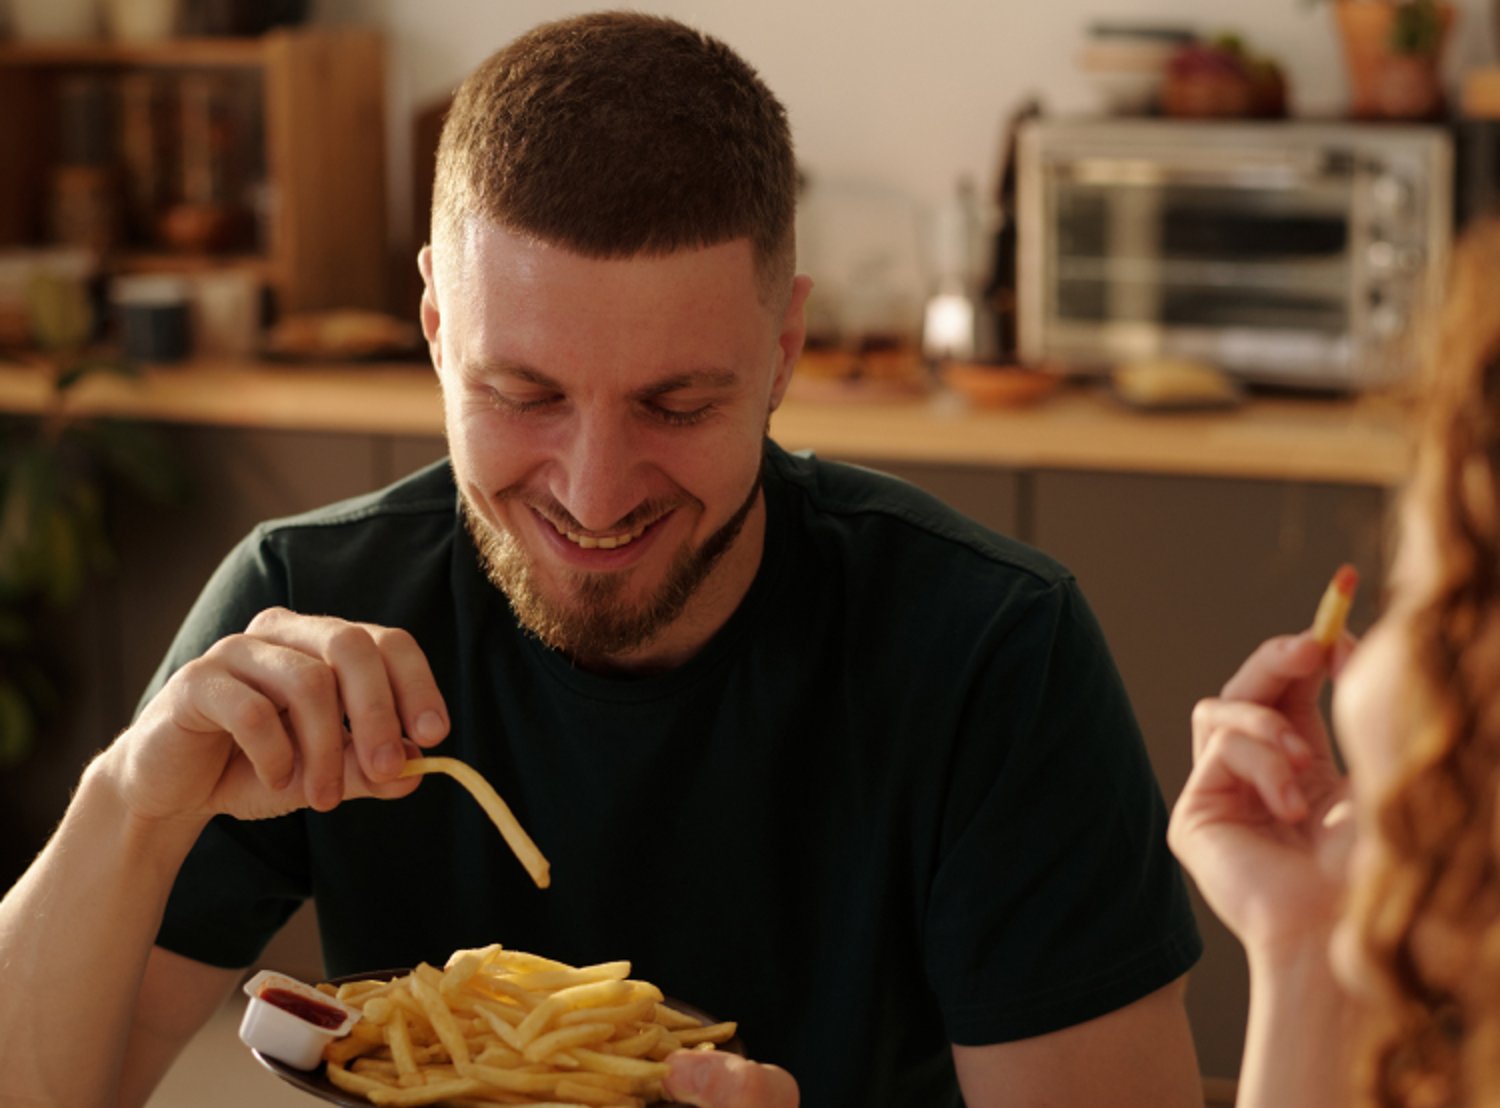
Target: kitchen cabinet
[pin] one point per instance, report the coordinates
(994, 497)
(298, 113)
(1187, 575)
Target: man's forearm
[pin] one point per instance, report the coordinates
(75, 933)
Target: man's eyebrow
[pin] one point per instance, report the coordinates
(692, 379)
(519, 370)
(688, 379)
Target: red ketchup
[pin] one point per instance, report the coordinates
(304, 1007)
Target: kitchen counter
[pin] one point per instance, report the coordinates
(1341, 441)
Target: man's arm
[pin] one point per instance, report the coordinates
(177, 997)
(255, 727)
(1141, 1056)
(75, 937)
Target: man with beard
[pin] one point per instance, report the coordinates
(814, 752)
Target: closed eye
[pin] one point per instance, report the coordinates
(523, 402)
(689, 398)
(677, 415)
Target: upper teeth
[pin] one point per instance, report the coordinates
(603, 542)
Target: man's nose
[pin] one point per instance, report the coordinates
(600, 468)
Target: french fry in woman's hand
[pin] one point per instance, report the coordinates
(1333, 609)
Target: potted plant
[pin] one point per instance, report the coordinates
(58, 472)
(1393, 52)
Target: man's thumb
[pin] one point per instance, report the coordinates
(718, 1079)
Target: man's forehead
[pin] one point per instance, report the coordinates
(478, 241)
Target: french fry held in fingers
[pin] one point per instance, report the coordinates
(1333, 609)
(498, 1026)
(499, 812)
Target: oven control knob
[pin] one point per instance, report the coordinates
(1387, 321)
(1386, 257)
(1380, 256)
(1392, 195)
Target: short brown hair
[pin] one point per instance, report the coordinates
(617, 134)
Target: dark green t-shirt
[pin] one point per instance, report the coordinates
(898, 801)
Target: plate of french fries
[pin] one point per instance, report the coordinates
(498, 1026)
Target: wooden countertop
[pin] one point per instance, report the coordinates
(1359, 441)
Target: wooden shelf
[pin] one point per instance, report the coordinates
(174, 53)
(319, 138)
(162, 262)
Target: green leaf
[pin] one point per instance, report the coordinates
(82, 368)
(1417, 29)
(29, 486)
(56, 479)
(140, 458)
(62, 580)
(83, 505)
(18, 721)
(60, 311)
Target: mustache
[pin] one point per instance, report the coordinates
(550, 509)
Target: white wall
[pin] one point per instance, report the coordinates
(898, 98)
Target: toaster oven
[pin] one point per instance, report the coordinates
(1285, 253)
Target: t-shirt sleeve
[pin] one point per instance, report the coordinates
(241, 881)
(248, 580)
(1055, 899)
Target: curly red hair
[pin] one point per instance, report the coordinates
(1431, 921)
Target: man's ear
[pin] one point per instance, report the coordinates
(430, 316)
(793, 335)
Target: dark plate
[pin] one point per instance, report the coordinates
(316, 1083)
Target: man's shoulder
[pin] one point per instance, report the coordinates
(896, 520)
(429, 492)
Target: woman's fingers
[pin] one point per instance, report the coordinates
(1214, 714)
(1234, 760)
(1275, 665)
(1288, 673)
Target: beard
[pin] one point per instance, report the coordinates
(593, 620)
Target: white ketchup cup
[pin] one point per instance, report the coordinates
(296, 1029)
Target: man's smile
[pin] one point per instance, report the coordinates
(601, 542)
(568, 535)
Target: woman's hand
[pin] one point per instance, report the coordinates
(1261, 825)
(718, 1079)
(298, 711)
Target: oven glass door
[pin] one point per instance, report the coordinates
(1237, 268)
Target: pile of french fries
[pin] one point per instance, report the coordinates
(498, 1026)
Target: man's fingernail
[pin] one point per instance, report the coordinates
(430, 727)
